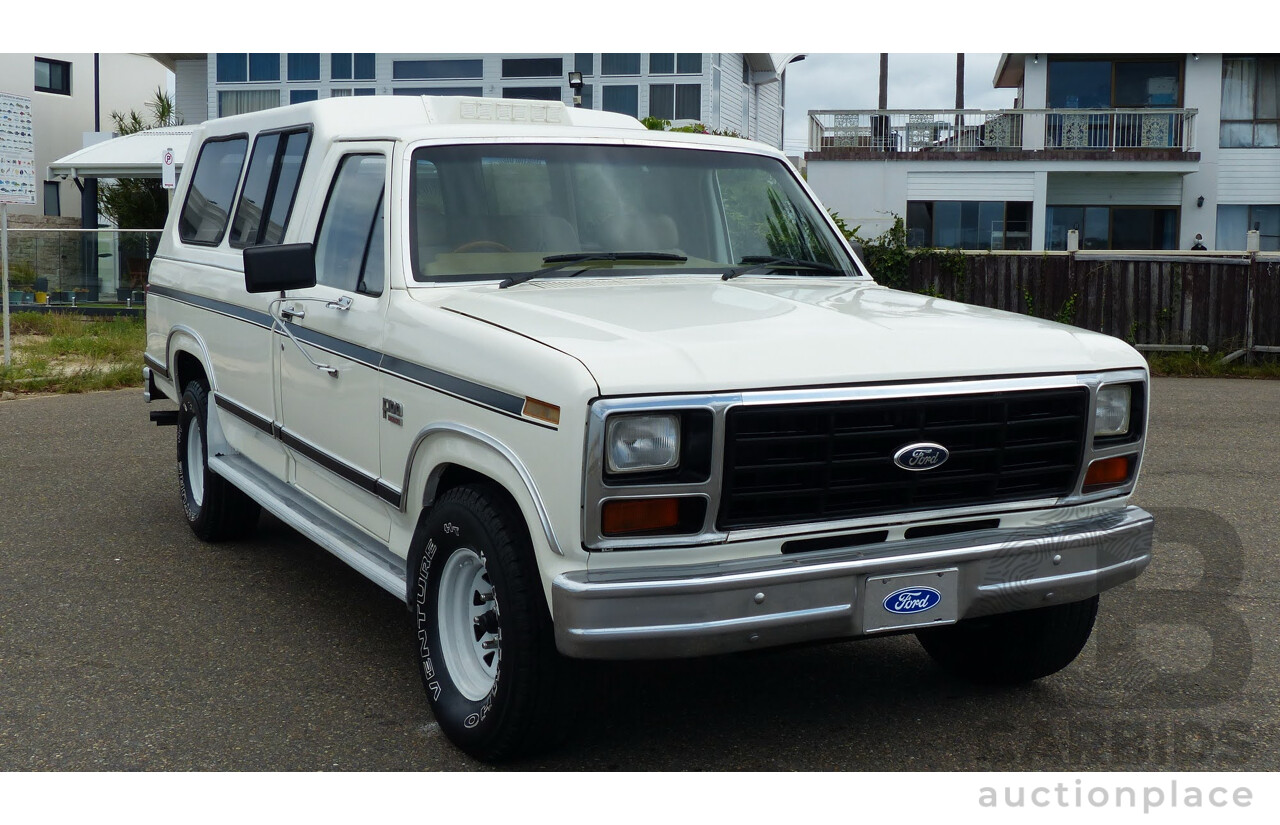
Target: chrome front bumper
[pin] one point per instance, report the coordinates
(698, 610)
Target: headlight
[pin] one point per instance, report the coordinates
(1111, 414)
(642, 443)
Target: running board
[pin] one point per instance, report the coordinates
(367, 556)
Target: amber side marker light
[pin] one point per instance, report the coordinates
(639, 515)
(1107, 472)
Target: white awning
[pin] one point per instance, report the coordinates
(140, 155)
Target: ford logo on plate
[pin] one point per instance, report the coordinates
(917, 457)
(912, 600)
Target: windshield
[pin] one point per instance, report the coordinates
(493, 211)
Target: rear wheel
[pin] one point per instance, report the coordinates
(1013, 647)
(215, 509)
(486, 650)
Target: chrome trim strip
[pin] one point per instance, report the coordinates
(468, 432)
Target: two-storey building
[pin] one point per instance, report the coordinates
(742, 93)
(1131, 151)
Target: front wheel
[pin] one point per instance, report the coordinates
(486, 649)
(1013, 647)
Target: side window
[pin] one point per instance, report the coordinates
(270, 186)
(213, 185)
(351, 243)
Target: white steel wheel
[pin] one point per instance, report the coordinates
(468, 621)
(194, 467)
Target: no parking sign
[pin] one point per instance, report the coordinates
(167, 177)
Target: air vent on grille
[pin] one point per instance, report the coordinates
(795, 463)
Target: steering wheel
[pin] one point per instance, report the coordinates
(477, 246)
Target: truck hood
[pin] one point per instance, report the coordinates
(701, 334)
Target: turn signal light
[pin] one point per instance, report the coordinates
(1107, 472)
(639, 515)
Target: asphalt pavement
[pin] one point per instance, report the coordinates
(127, 644)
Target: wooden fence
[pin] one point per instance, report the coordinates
(1223, 302)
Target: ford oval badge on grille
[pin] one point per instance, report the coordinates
(912, 600)
(917, 457)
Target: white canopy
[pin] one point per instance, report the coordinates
(140, 155)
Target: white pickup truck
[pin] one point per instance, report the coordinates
(573, 389)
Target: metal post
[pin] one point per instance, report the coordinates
(4, 269)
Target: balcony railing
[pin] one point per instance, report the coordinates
(975, 130)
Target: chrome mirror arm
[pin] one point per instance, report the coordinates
(278, 321)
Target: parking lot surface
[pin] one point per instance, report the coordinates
(127, 644)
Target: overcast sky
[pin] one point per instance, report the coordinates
(916, 81)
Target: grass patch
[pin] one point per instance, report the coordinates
(1209, 365)
(54, 352)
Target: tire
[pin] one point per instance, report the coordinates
(1013, 647)
(215, 509)
(486, 649)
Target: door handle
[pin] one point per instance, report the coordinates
(293, 313)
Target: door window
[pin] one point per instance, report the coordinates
(351, 244)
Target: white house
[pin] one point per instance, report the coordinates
(742, 93)
(65, 91)
(1132, 151)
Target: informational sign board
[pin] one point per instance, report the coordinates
(17, 151)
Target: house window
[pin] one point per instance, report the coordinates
(688, 101)
(532, 67)
(1250, 102)
(1235, 221)
(584, 63)
(53, 76)
(662, 101)
(351, 66)
(689, 63)
(615, 64)
(439, 91)
(437, 69)
(969, 224)
(304, 66)
(662, 63)
(1112, 227)
(52, 198)
(303, 95)
(531, 92)
(1114, 84)
(624, 100)
(251, 68)
(239, 101)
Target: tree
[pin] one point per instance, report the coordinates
(139, 203)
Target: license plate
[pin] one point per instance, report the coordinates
(924, 599)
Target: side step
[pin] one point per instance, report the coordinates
(367, 556)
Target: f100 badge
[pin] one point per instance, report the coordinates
(393, 412)
(924, 456)
(912, 600)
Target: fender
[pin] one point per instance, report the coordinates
(443, 443)
(183, 338)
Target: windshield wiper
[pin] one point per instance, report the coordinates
(773, 262)
(558, 262)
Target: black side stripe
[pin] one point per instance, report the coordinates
(460, 388)
(156, 365)
(359, 478)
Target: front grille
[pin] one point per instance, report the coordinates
(796, 463)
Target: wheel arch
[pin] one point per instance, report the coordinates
(188, 359)
(448, 455)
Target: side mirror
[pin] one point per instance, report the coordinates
(280, 267)
(857, 250)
